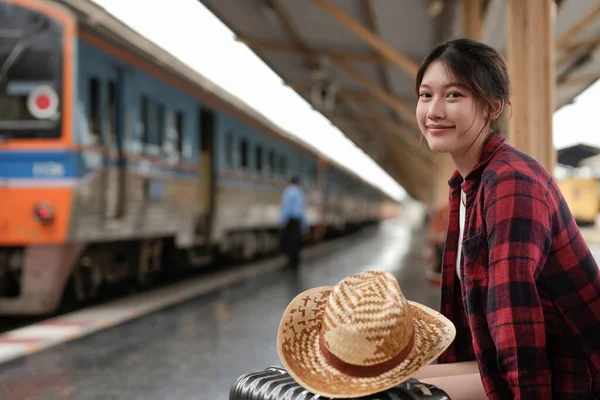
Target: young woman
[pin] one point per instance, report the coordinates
(518, 280)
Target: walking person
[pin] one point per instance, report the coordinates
(293, 222)
(518, 280)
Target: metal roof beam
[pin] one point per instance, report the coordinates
(400, 148)
(287, 22)
(381, 94)
(422, 153)
(404, 63)
(370, 120)
(372, 24)
(296, 48)
(399, 169)
(566, 45)
(369, 12)
(419, 190)
(576, 29)
(574, 47)
(293, 31)
(356, 124)
(312, 55)
(581, 79)
(356, 95)
(409, 177)
(397, 129)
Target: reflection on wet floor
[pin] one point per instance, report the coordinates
(196, 350)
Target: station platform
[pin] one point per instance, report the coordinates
(197, 348)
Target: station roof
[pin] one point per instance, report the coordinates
(365, 55)
(573, 155)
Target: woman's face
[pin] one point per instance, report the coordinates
(448, 115)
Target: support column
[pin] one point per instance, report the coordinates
(532, 71)
(471, 14)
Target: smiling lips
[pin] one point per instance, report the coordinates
(439, 129)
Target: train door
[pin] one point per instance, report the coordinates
(206, 127)
(114, 194)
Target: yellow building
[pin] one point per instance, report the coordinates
(578, 176)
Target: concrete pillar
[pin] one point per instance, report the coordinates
(530, 48)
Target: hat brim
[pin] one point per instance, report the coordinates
(298, 348)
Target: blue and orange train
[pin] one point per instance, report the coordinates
(115, 156)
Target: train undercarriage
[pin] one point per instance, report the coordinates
(39, 280)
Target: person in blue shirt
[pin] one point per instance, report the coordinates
(293, 221)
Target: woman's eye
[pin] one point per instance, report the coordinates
(455, 95)
(424, 95)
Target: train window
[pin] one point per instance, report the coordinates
(111, 112)
(145, 105)
(153, 122)
(38, 62)
(94, 121)
(161, 126)
(244, 153)
(207, 126)
(271, 163)
(283, 166)
(258, 158)
(229, 149)
(312, 175)
(179, 127)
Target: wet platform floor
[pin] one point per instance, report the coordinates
(197, 349)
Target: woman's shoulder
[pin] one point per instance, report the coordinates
(510, 164)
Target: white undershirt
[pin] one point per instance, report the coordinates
(461, 229)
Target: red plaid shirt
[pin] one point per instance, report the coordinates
(527, 306)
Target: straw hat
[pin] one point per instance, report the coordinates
(359, 337)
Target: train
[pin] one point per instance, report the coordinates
(119, 162)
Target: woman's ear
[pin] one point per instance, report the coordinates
(497, 107)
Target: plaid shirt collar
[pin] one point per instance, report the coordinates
(490, 147)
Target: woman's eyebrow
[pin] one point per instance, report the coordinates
(456, 85)
(446, 86)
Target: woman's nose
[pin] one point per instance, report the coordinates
(436, 110)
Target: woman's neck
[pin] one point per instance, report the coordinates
(465, 161)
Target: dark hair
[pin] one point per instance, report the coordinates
(477, 67)
(294, 180)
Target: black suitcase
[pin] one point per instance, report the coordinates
(274, 383)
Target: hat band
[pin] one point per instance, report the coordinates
(366, 371)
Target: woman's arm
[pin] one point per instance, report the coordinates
(450, 369)
(517, 219)
(460, 387)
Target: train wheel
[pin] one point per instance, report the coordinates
(150, 262)
(274, 242)
(263, 243)
(87, 278)
(238, 248)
